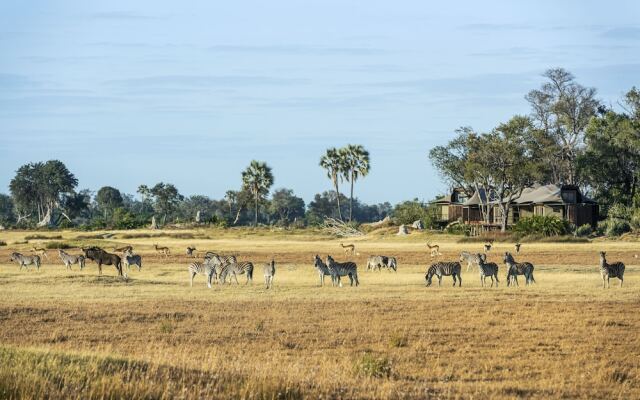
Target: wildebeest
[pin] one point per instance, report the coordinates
(102, 257)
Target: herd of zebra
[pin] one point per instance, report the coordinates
(222, 268)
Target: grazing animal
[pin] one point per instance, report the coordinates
(349, 248)
(470, 258)
(162, 250)
(435, 249)
(487, 269)
(322, 268)
(514, 269)
(235, 269)
(210, 254)
(336, 270)
(517, 246)
(205, 268)
(40, 251)
(487, 247)
(102, 257)
(614, 270)
(123, 249)
(441, 269)
(69, 259)
(191, 252)
(380, 262)
(269, 273)
(219, 262)
(25, 261)
(130, 259)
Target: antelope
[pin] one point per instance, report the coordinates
(435, 249)
(162, 250)
(40, 251)
(349, 249)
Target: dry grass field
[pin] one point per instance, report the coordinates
(77, 335)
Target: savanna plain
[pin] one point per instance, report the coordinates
(74, 334)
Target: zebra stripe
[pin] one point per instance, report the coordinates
(322, 269)
(269, 272)
(470, 258)
(69, 259)
(441, 269)
(336, 270)
(487, 269)
(514, 269)
(25, 261)
(235, 269)
(206, 269)
(614, 270)
(130, 259)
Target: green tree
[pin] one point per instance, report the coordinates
(165, 197)
(7, 216)
(333, 161)
(286, 206)
(561, 109)
(257, 179)
(108, 199)
(38, 188)
(356, 165)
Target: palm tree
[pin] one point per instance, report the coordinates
(257, 179)
(356, 164)
(333, 162)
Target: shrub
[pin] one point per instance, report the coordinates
(398, 340)
(409, 211)
(58, 245)
(456, 228)
(619, 211)
(42, 237)
(613, 227)
(584, 230)
(547, 225)
(373, 367)
(3, 243)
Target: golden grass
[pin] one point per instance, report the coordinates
(76, 335)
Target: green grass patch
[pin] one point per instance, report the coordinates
(38, 236)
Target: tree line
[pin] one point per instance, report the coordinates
(44, 194)
(569, 138)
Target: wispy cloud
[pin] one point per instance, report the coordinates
(202, 81)
(120, 16)
(491, 27)
(16, 81)
(625, 33)
(295, 49)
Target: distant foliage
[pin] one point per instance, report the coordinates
(412, 210)
(584, 230)
(613, 227)
(542, 225)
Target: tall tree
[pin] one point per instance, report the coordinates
(38, 188)
(108, 199)
(286, 206)
(7, 216)
(562, 109)
(165, 198)
(356, 165)
(257, 179)
(333, 162)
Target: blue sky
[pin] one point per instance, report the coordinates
(127, 93)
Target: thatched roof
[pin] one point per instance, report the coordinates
(538, 194)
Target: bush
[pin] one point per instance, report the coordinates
(409, 211)
(58, 245)
(373, 367)
(544, 225)
(42, 237)
(619, 211)
(584, 230)
(3, 243)
(456, 228)
(613, 227)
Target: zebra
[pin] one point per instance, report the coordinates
(205, 268)
(129, 259)
(470, 258)
(210, 254)
(336, 270)
(514, 269)
(219, 262)
(615, 270)
(236, 269)
(322, 268)
(69, 259)
(269, 272)
(25, 261)
(441, 269)
(487, 269)
(380, 262)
